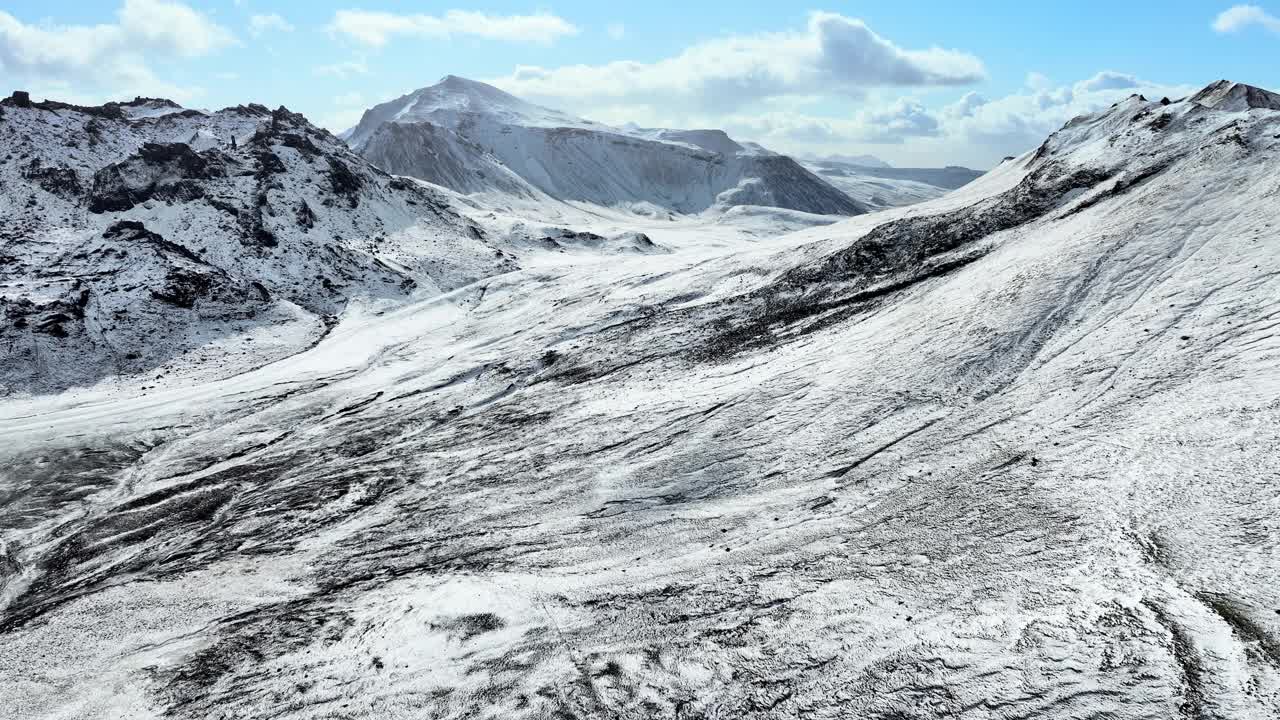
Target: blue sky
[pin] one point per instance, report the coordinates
(921, 83)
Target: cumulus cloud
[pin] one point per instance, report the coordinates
(378, 28)
(1240, 17)
(171, 27)
(1018, 122)
(1107, 80)
(348, 99)
(88, 60)
(891, 124)
(344, 69)
(833, 54)
(972, 129)
(259, 24)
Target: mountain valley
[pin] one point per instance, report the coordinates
(483, 410)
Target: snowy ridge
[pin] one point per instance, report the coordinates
(1236, 97)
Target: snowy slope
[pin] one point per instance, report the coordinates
(137, 233)
(461, 134)
(1010, 453)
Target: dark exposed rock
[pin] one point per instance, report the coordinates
(183, 287)
(133, 231)
(269, 163)
(50, 317)
(299, 142)
(22, 99)
(345, 183)
(565, 234)
(250, 110)
(162, 171)
(63, 182)
(306, 216)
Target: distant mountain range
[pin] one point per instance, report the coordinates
(474, 138)
(867, 161)
(882, 186)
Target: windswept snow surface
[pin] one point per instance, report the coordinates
(1010, 453)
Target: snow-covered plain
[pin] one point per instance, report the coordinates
(1010, 453)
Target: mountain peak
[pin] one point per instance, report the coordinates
(459, 81)
(457, 84)
(1236, 97)
(456, 101)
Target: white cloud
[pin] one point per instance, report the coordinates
(108, 59)
(894, 123)
(833, 55)
(616, 31)
(1107, 80)
(340, 120)
(972, 130)
(345, 69)
(259, 24)
(1240, 17)
(351, 98)
(172, 27)
(1018, 122)
(377, 28)
(1038, 81)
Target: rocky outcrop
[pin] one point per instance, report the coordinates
(269, 222)
(167, 172)
(1236, 97)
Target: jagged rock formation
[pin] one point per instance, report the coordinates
(139, 232)
(1236, 97)
(474, 138)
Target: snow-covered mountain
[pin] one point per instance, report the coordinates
(1010, 453)
(868, 161)
(881, 186)
(141, 235)
(474, 138)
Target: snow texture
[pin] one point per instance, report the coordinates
(1008, 453)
